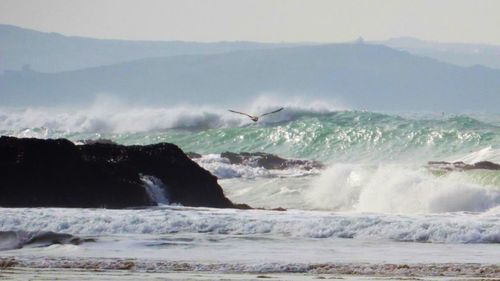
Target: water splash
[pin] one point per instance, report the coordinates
(156, 189)
(400, 189)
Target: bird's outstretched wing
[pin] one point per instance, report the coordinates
(243, 113)
(278, 110)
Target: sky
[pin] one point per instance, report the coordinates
(466, 21)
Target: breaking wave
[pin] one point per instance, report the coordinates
(438, 228)
(400, 189)
(337, 136)
(307, 130)
(111, 116)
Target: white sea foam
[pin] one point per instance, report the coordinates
(441, 228)
(388, 188)
(223, 169)
(109, 115)
(399, 189)
(485, 154)
(109, 120)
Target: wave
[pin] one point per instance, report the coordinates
(303, 130)
(386, 188)
(41, 122)
(436, 228)
(111, 116)
(46, 122)
(400, 189)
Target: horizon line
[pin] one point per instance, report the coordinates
(249, 41)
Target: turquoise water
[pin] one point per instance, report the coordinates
(333, 136)
(341, 136)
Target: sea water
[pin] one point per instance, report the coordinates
(376, 208)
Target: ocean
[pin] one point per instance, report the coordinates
(377, 208)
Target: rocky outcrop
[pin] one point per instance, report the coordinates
(461, 166)
(58, 173)
(94, 141)
(269, 161)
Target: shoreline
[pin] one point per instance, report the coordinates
(122, 275)
(13, 266)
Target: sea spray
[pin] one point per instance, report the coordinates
(110, 115)
(156, 189)
(399, 189)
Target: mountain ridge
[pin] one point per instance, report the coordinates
(55, 52)
(365, 75)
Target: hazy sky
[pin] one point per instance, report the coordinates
(263, 20)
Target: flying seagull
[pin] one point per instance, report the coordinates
(256, 118)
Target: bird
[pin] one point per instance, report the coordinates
(256, 118)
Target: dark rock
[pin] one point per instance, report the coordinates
(242, 206)
(10, 240)
(278, 209)
(461, 166)
(269, 161)
(90, 141)
(486, 165)
(58, 173)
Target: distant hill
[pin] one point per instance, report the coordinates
(53, 52)
(456, 53)
(362, 75)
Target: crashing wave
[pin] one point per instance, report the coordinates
(111, 116)
(400, 188)
(300, 131)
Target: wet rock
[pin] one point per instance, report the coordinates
(269, 161)
(486, 165)
(58, 173)
(461, 166)
(90, 141)
(10, 240)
